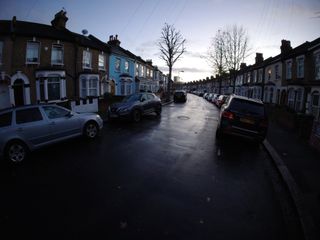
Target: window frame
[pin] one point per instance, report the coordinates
(54, 45)
(316, 59)
(126, 66)
(117, 65)
(300, 72)
(289, 69)
(39, 48)
(86, 59)
(103, 56)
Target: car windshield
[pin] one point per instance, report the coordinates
(243, 106)
(132, 98)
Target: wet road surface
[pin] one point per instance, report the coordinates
(164, 178)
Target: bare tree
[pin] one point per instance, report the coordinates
(216, 53)
(172, 46)
(228, 49)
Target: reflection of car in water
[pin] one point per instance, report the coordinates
(134, 106)
(180, 96)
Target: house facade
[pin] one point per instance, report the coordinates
(49, 64)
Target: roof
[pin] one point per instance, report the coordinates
(30, 29)
(247, 99)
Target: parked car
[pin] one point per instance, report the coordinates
(180, 96)
(134, 106)
(214, 98)
(243, 117)
(220, 100)
(26, 128)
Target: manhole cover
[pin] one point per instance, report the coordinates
(183, 118)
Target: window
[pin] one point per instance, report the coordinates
(122, 88)
(5, 119)
(28, 115)
(271, 95)
(86, 60)
(315, 105)
(1, 52)
(117, 64)
(289, 69)
(142, 71)
(128, 88)
(50, 87)
(316, 65)
(255, 76)
(269, 74)
(33, 52)
(300, 67)
(126, 66)
(151, 74)
(298, 100)
(148, 72)
(260, 75)
(89, 86)
(249, 77)
(53, 112)
(291, 94)
(137, 69)
(57, 54)
(102, 62)
(277, 71)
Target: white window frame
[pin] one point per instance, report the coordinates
(102, 59)
(316, 65)
(42, 85)
(117, 65)
(289, 69)
(260, 75)
(86, 59)
(1, 52)
(291, 93)
(126, 66)
(86, 87)
(300, 72)
(29, 43)
(137, 70)
(55, 45)
(277, 71)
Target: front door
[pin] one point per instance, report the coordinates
(18, 89)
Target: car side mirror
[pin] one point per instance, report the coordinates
(69, 114)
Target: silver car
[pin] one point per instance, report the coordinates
(23, 129)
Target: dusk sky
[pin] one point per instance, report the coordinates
(138, 24)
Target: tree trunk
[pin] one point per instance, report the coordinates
(169, 84)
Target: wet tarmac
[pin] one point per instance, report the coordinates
(163, 178)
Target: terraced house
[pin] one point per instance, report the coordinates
(49, 64)
(42, 63)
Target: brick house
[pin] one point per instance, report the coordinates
(42, 63)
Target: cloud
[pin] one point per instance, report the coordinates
(184, 69)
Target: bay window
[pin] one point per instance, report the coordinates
(50, 86)
(89, 85)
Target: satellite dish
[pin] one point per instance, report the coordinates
(84, 31)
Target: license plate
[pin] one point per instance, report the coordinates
(246, 120)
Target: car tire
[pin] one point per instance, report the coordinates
(16, 151)
(158, 111)
(136, 116)
(91, 130)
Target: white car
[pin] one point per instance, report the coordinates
(26, 128)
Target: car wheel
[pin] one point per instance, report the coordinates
(136, 116)
(158, 111)
(16, 151)
(91, 130)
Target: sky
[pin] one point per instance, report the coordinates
(138, 24)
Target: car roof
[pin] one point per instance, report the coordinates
(25, 107)
(246, 98)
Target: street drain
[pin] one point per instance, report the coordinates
(183, 118)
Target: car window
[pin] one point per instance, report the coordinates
(143, 97)
(132, 98)
(53, 112)
(243, 106)
(150, 96)
(5, 119)
(28, 115)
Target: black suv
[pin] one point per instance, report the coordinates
(134, 106)
(180, 96)
(242, 116)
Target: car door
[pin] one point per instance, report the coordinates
(145, 103)
(31, 126)
(63, 122)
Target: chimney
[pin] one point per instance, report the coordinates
(60, 20)
(285, 46)
(243, 65)
(149, 61)
(259, 58)
(114, 40)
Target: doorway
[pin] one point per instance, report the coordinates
(18, 90)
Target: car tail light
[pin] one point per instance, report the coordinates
(228, 115)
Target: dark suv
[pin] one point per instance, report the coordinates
(242, 116)
(134, 106)
(180, 96)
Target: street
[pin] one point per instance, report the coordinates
(162, 178)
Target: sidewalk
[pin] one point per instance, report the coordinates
(299, 166)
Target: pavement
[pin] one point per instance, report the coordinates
(299, 166)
